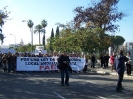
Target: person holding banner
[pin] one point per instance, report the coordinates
(64, 61)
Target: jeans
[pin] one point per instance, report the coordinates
(120, 78)
(67, 76)
(102, 63)
(93, 65)
(106, 64)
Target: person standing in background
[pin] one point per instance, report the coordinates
(112, 59)
(93, 60)
(9, 60)
(128, 64)
(106, 60)
(102, 58)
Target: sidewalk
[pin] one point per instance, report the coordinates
(98, 69)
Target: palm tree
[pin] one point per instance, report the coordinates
(44, 24)
(39, 30)
(30, 25)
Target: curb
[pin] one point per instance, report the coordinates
(115, 74)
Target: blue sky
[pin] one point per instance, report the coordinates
(53, 11)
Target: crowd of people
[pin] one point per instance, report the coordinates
(118, 63)
(8, 60)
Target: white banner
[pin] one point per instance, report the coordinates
(46, 63)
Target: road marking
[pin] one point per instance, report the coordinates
(91, 82)
(58, 95)
(102, 97)
(27, 74)
(73, 76)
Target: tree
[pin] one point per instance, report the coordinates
(117, 40)
(0, 30)
(38, 29)
(51, 40)
(44, 24)
(43, 40)
(52, 33)
(2, 38)
(30, 25)
(103, 14)
(57, 32)
(4, 14)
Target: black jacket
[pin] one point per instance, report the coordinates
(63, 65)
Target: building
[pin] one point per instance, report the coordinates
(21, 42)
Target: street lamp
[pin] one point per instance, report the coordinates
(31, 30)
(15, 38)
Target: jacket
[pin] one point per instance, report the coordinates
(120, 63)
(63, 65)
(112, 59)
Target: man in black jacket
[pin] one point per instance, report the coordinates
(64, 67)
(120, 68)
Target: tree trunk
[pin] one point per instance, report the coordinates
(39, 38)
(43, 40)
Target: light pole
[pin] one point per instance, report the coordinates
(31, 30)
(15, 39)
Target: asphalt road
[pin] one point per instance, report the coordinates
(42, 85)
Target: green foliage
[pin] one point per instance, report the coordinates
(39, 30)
(44, 24)
(2, 38)
(4, 15)
(52, 33)
(57, 32)
(43, 39)
(117, 40)
(82, 40)
(27, 48)
(30, 23)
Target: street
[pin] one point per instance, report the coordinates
(42, 85)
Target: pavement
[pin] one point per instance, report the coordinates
(98, 69)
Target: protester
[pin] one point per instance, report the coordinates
(120, 68)
(106, 60)
(9, 60)
(4, 62)
(93, 61)
(128, 63)
(64, 61)
(112, 59)
(102, 58)
(86, 64)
